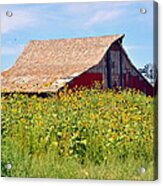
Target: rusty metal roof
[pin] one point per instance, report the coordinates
(47, 65)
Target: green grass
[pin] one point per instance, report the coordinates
(83, 134)
(62, 167)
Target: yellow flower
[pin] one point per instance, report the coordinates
(41, 124)
(84, 141)
(55, 143)
(69, 91)
(100, 103)
(3, 107)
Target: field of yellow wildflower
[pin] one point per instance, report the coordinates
(96, 134)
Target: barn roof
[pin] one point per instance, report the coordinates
(47, 65)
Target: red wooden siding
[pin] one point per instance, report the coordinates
(86, 79)
(138, 84)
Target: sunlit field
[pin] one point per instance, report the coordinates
(98, 134)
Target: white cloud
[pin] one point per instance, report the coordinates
(102, 16)
(21, 19)
(87, 14)
(27, 17)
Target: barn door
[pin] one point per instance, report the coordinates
(114, 69)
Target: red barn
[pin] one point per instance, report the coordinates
(47, 65)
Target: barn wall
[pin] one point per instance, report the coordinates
(133, 79)
(122, 73)
(88, 79)
(102, 69)
(114, 59)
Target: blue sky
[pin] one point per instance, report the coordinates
(67, 20)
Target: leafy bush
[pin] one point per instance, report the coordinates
(85, 126)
